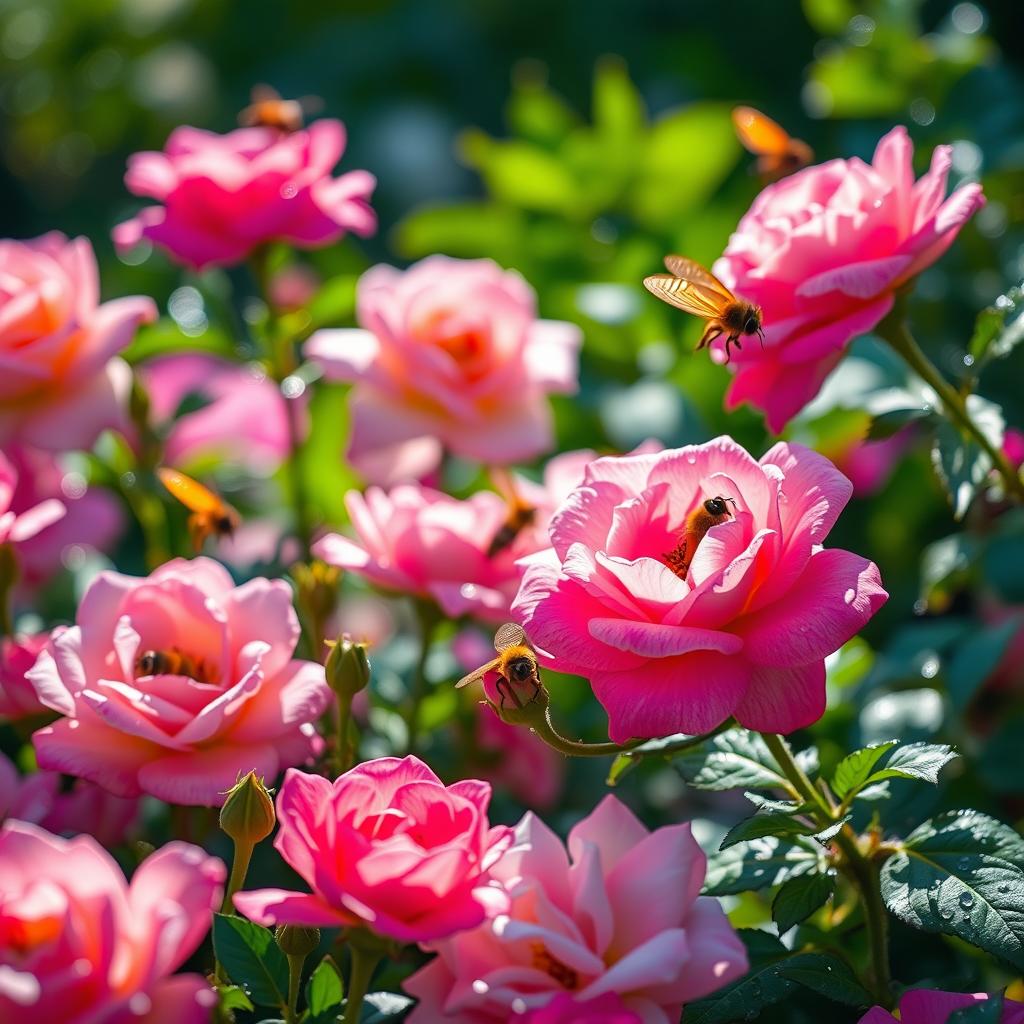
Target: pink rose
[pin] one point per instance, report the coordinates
(926, 1006)
(453, 358)
(386, 845)
(563, 1009)
(93, 518)
(80, 945)
(232, 699)
(244, 420)
(224, 195)
(38, 798)
(18, 698)
(61, 382)
(18, 526)
(822, 252)
(422, 542)
(745, 632)
(620, 914)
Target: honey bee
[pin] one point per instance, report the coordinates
(707, 514)
(269, 110)
(520, 514)
(778, 153)
(693, 289)
(211, 515)
(516, 665)
(174, 663)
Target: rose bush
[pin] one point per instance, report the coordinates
(238, 701)
(745, 633)
(450, 356)
(386, 845)
(823, 253)
(80, 945)
(225, 195)
(621, 913)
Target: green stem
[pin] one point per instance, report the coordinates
(895, 331)
(862, 871)
(295, 963)
(429, 621)
(8, 580)
(239, 869)
(343, 724)
(364, 963)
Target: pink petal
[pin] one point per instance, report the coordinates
(783, 699)
(652, 640)
(203, 777)
(279, 906)
(184, 999)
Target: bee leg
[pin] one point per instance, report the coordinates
(500, 687)
(732, 339)
(711, 332)
(536, 691)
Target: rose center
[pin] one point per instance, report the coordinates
(544, 961)
(708, 513)
(173, 661)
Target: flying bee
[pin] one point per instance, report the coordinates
(707, 514)
(516, 665)
(173, 662)
(520, 514)
(210, 515)
(269, 110)
(693, 289)
(777, 152)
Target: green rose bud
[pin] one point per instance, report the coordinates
(348, 668)
(248, 812)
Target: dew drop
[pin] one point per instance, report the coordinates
(288, 191)
(968, 360)
(966, 900)
(963, 863)
(469, 591)
(945, 913)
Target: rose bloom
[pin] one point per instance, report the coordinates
(451, 357)
(93, 518)
(225, 195)
(822, 252)
(926, 1006)
(18, 698)
(747, 630)
(238, 702)
(243, 421)
(17, 526)
(386, 845)
(61, 382)
(563, 1009)
(79, 945)
(620, 914)
(85, 807)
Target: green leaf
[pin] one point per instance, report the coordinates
(960, 462)
(961, 874)
(735, 759)
(463, 229)
(987, 326)
(251, 958)
(921, 761)
(993, 337)
(379, 1007)
(324, 993)
(990, 1011)
(853, 771)
(618, 107)
(759, 864)
(799, 898)
(769, 806)
(761, 825)
(828, 976)
(891, 422)
(233, 997)
(976, 658)
(829, 833)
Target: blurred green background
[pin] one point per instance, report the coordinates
(578, 142)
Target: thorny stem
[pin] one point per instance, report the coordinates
(862, 870)
(895, 331)
(364, 963)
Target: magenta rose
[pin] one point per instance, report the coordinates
(225, 195)
(62, 382)
(927, 1006)
(451, 357)
(620, 913)
(80, 945)
(822, 252)
(230, 700)
(744, 632)
(386, 845)
(563, 1009)
(243, 418)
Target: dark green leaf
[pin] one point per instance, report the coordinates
(769, 806)
(961, 874)
(379, 1007)
(761, 825)
(921, 761)
(959, 461)
(854, 769)
(988, 1012)
(827, 834)
(251, 958)
(324, 992)
(976, 658)
(799, 898)
(735, 759)
(828, 976)
(759, 864)
(886, 424)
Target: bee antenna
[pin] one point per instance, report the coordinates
(760, 336)
(733, 500)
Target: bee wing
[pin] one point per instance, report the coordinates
(689, 296)
(759, 133)
(509, 635)
(192, 494)
(477, 673)
(691, 270)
